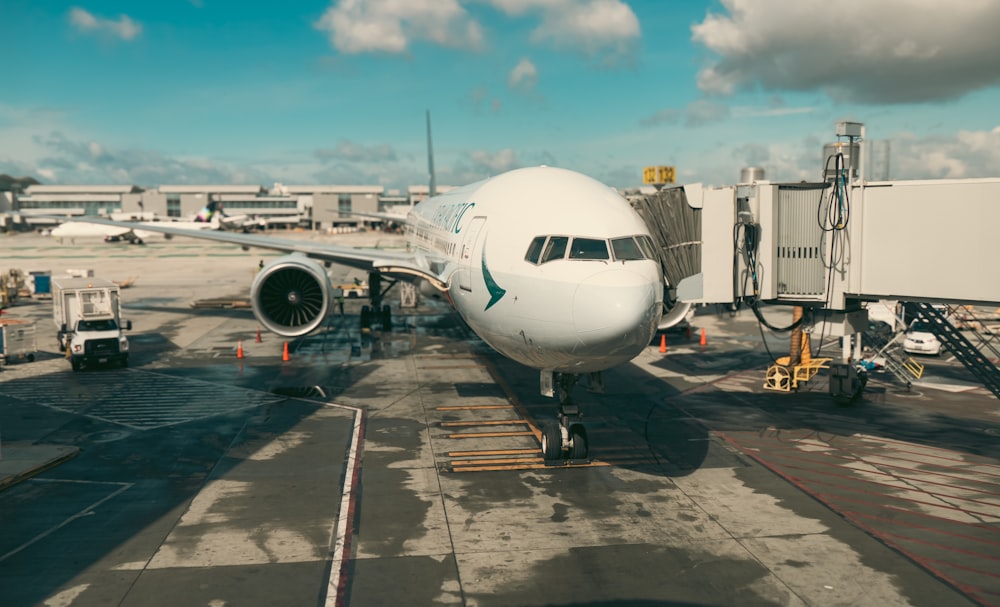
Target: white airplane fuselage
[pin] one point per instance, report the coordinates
(570, 314)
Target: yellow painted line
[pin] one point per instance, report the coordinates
(490, 434)
(499, 422)
(491, 452)
(502, 460)
(527, 467)
(435, 367)
(470, 407)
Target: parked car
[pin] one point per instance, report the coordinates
(920, 340)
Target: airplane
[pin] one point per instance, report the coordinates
(211, 217)
(549, 267)
(213, 213)
(84, 228)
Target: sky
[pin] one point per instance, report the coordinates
(335, 91)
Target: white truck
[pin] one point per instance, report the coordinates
(87, 315)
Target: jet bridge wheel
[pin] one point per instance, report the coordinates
(778, 378)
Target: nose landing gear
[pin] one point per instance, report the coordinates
(567, 439)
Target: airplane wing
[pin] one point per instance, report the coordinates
(403, 264)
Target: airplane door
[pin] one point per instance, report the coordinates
(467, 253)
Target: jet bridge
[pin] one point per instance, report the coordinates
(829, 246)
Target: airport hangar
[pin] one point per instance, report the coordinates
(282, 206)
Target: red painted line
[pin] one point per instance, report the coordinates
(926, 563)
(783, 446)
(894, 497)
(891, 486)
(945, 547)
(828, 455)
(900, 523)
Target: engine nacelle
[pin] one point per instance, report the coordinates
(291, 295)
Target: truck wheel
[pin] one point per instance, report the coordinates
(31, 358)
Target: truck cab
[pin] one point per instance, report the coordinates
(87, 313)
(96, 341)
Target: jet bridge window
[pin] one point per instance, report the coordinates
(589, 248)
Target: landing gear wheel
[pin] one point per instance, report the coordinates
(366, 317)
(578, 442)
(386, 318)
(551, 442)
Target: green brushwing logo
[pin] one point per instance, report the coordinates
(496, 291)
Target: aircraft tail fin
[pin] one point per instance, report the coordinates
(211, 213)
(432, 189)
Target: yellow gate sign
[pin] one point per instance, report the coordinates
(658, 174)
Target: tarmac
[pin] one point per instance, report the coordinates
(403, 467)
(21, 462)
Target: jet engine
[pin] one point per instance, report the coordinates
(291, 295)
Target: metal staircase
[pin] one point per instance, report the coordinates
(966, 353)
(888, 347)
(988, 341)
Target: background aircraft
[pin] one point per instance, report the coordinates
(211, 217)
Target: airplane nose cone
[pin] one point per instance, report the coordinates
(617, 311)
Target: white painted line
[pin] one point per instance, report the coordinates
(338, 575)
(85, 512)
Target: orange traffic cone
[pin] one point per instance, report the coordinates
(703, 342)
(258, 334)
(239, 349)
(663, 344)
(284, 354)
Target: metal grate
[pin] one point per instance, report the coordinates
(800, 269)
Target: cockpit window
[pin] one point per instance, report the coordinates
(555, 248)
(626, 249)
(646, 244)
(589, 248)
(535, 249)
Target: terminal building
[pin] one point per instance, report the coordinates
(314, 207)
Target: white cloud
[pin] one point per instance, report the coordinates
(697, 113)
(965, 155)
(892, 51)
(524, 76)
(480, 98)
(124, 28)
(61, 158)
(391, 26)
(480, 164)
(349, 151)
(604, 30)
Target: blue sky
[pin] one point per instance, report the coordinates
(334, 91)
